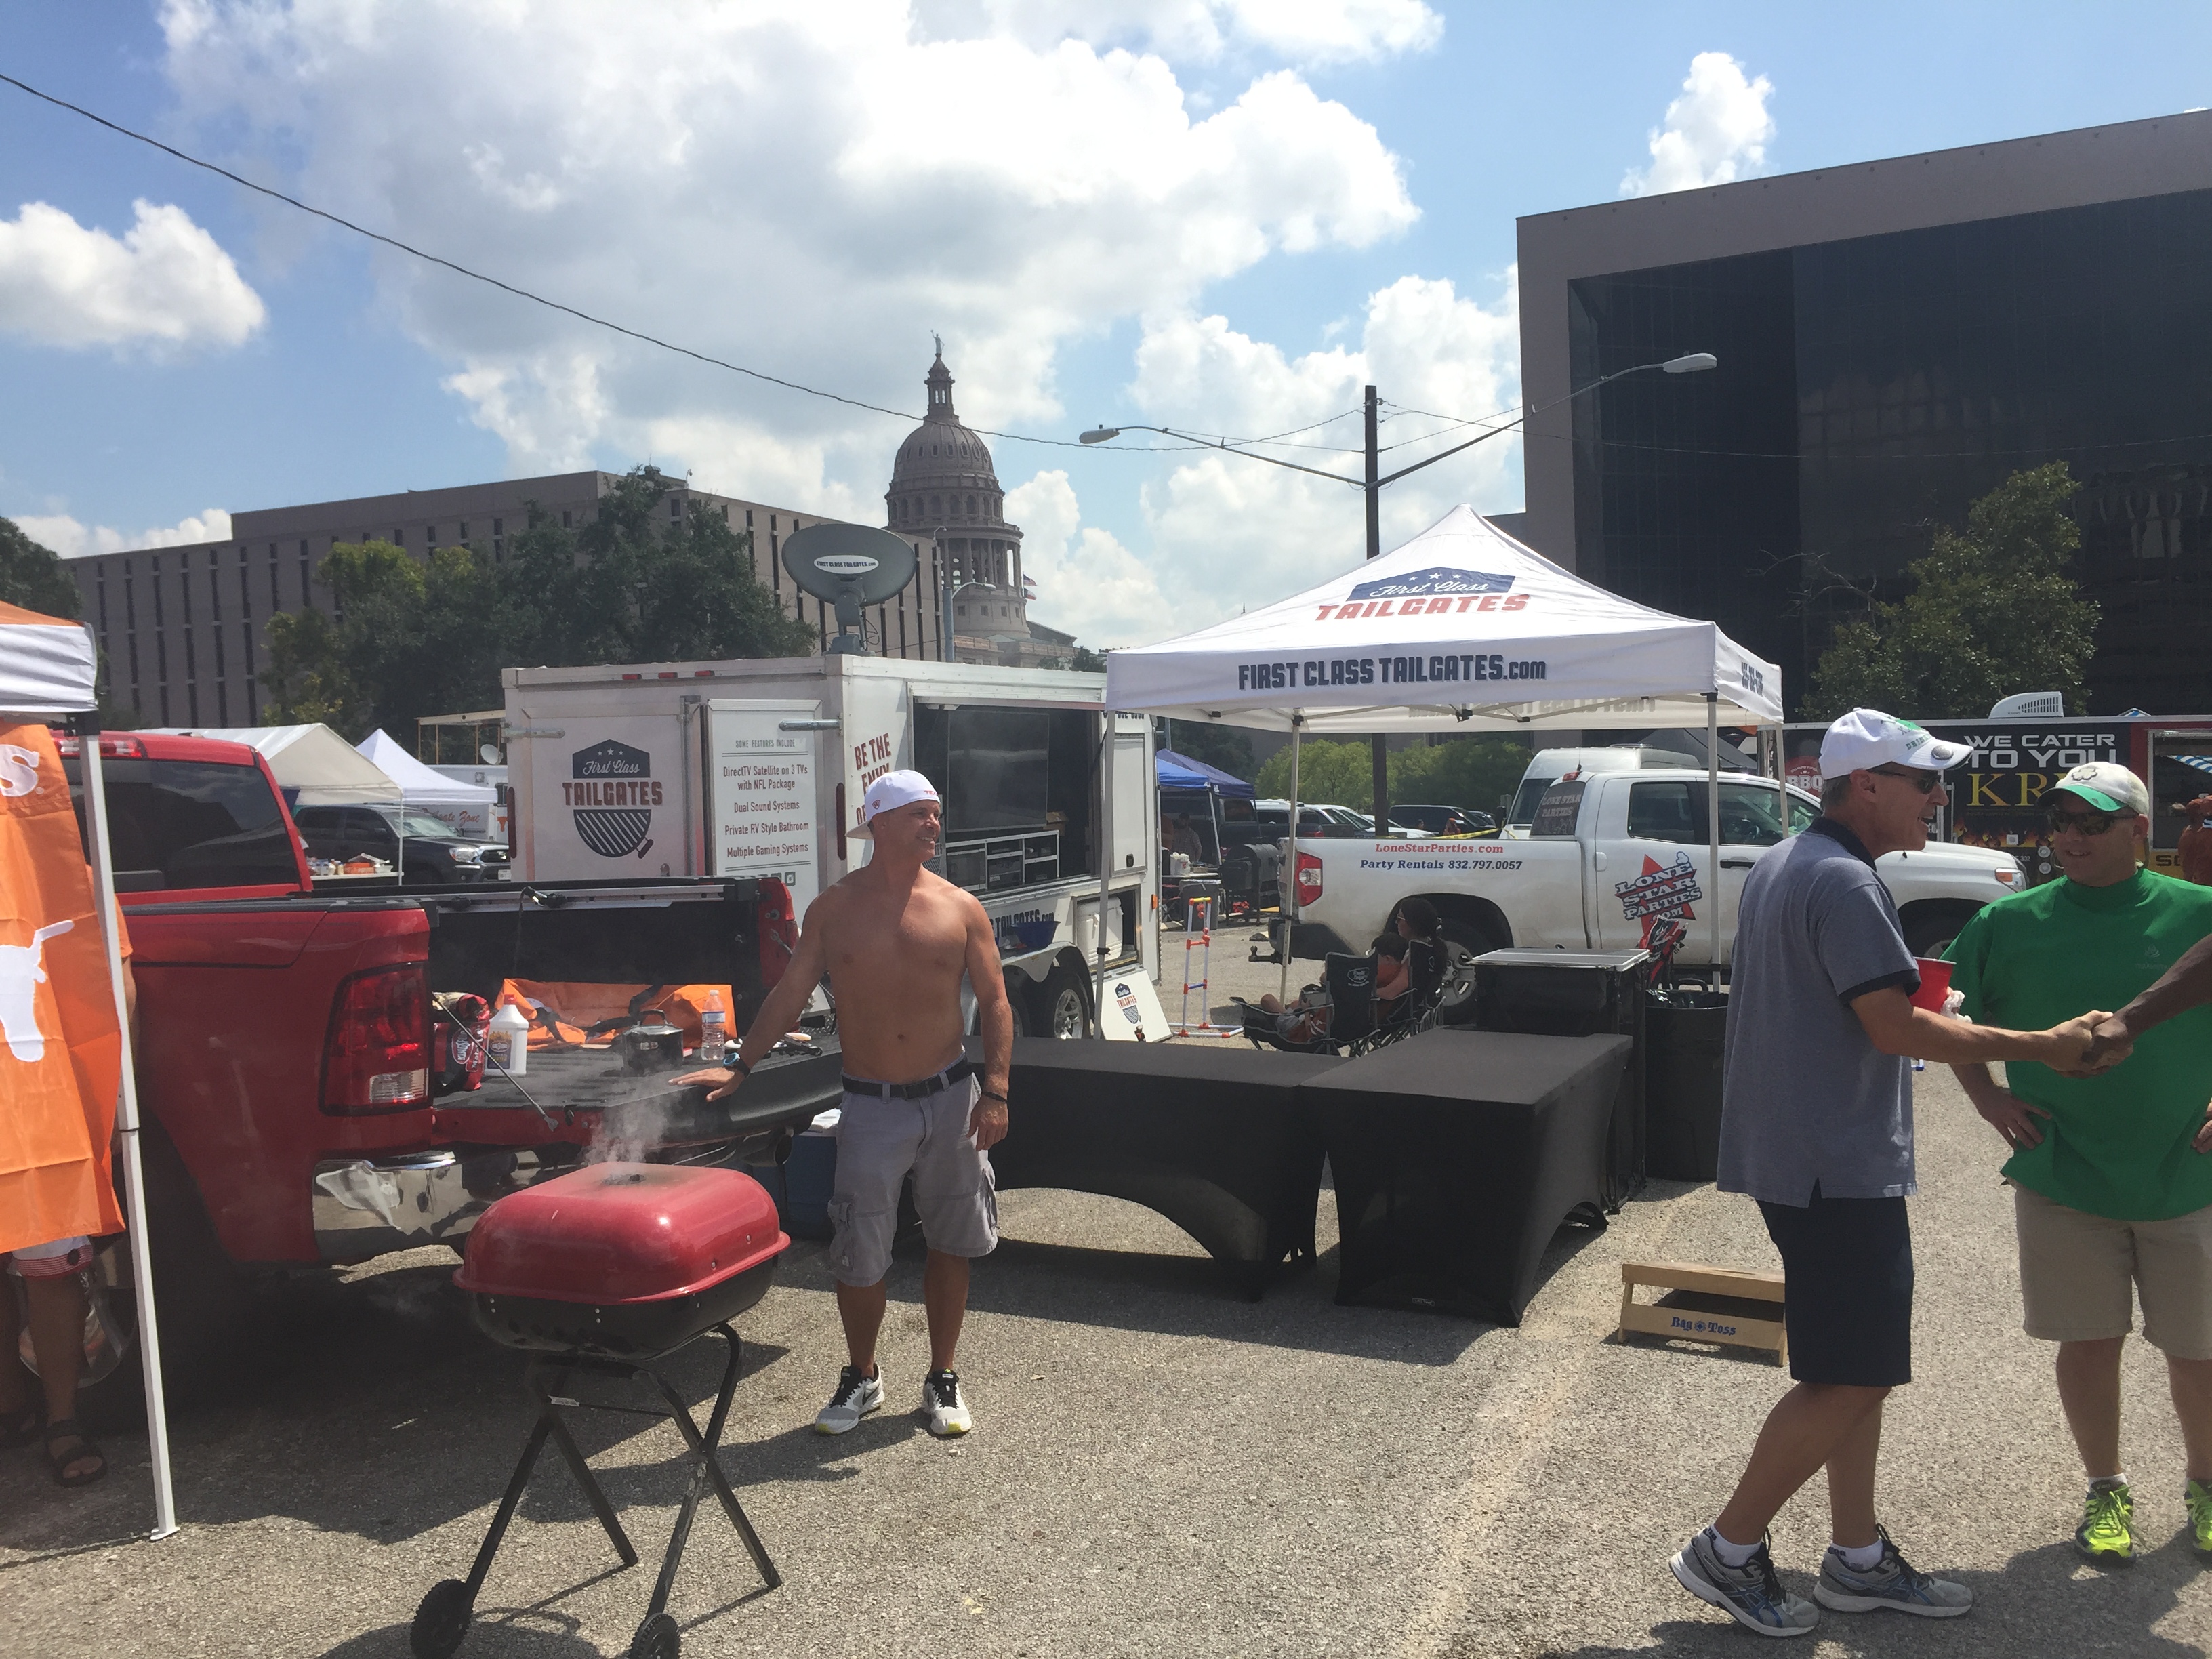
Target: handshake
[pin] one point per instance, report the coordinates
(2088, 1044)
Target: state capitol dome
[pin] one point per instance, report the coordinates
(943, 489)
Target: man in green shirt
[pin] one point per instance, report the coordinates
(2113, 1188)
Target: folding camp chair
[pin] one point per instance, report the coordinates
(1416, 1009)
(1348, 989)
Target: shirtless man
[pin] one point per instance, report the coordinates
(894, 939)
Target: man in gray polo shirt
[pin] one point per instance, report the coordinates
(1816, 1124)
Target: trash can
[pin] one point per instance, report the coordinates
(1685, 1032)
(1576, 994)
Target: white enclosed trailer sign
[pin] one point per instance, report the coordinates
(758, 767)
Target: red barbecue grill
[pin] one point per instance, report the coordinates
(602, 1272)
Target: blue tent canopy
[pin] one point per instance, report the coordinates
(1180, 772)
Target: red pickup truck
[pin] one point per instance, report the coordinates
(286, 1037)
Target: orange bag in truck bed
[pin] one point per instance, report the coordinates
(61, 1053)
(572, 1013)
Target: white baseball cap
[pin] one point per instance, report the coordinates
(1867, 738)
(891, 791)
(2106, 787)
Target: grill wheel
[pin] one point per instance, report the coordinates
(443, 1620)
(656, 1639)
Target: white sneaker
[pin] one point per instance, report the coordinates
(856, 1396)
(942, 1405)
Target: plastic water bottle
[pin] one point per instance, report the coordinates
(508, 1046)
(713, 1028)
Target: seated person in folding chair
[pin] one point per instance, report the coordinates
(1306, 1020)
(1417, 918)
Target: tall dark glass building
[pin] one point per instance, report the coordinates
(1894, 340)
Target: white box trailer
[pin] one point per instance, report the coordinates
(758, 767)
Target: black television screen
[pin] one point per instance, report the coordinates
(999, 774)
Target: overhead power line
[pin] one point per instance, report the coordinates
(459, 269)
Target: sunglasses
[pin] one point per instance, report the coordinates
(1924, 781)
(2089, 823)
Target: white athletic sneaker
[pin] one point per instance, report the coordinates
(856, 1396)
(942, 1405)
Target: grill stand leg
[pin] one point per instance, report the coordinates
(705, 1471)
(547, 1426)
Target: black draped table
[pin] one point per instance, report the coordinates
(1457, 1154)
(1215, 1140)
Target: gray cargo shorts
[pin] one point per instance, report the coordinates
(879, 1143)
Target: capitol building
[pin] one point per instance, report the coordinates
(945, 503)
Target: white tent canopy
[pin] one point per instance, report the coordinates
(1460, 628)
(48, 668)
(418, 784)
(313, 765)
(46, 664)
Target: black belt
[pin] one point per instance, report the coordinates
(958, 1072)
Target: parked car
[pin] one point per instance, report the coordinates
(1610, 855)
(434, 853)
(1316, 818)
(1443, 820)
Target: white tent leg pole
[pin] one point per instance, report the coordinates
(1713, 820)
(126, 1126)
(1106, 757)
(1290, 871)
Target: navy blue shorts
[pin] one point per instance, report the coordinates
(1848, 1267)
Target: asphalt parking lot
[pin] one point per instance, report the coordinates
(1157, 1467)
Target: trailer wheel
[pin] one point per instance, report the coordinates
(1062, 1004)
(1462, 943)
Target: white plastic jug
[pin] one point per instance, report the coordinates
(507, 1046)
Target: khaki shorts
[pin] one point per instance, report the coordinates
(880, 1143)
(2079, 1275)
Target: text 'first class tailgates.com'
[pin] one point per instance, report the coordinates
(1440, 669)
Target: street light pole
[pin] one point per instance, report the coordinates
(1372, 483)
(1378, 747)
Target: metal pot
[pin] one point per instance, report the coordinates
(653, 1045)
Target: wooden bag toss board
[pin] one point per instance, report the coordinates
(1705, 1304)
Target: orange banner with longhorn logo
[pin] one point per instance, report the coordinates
(60, 1050)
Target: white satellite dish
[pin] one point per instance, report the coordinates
(849, 566)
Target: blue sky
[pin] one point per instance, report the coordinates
(1222, 214)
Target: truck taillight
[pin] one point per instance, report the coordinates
(377, 1058)
(113, 747)
(1309, 879)
(779, 931)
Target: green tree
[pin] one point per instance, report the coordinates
(1471, 771)
(32, 576)
(1087, 661)
(1338, 774)
(1992, 611)
(431, 636)
(307, 682)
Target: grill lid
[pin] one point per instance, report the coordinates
(609, 1234)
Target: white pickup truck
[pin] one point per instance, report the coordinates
(1609, 858)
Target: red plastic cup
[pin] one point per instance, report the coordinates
(1935, 984)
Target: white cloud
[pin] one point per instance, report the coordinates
(72, 539)
(808, 190)
(1716, 131)
(1298, 31)
(165, 282)
(1227, 530)
(1088, 583)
